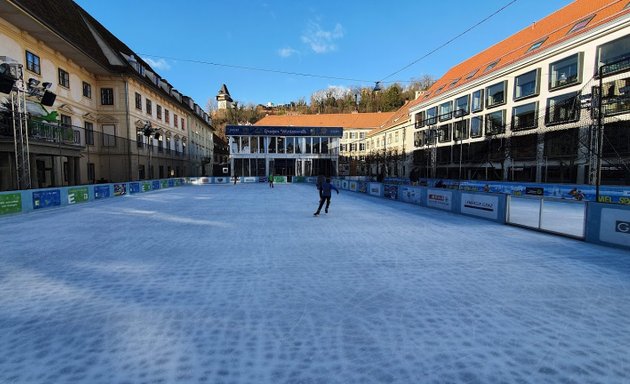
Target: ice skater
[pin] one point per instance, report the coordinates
(320, 181)
(271, 180)
(326, 192)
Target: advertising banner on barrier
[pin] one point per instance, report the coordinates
(10, 203)
(78, 195)
(615, 226)
(410, 194)
(134, 188)
(45, 199)
(163, 183)
(146, 186)
(155, 185)
(248, 179)
(376, 189)
(299, 179)
(481, 205)
(120, 189)
(352, 185)
(439, 198)
(344, 184)
(390, 191)
(101, 192)
(171, 182)
(221, 180)
(204, 180)
(362, 186)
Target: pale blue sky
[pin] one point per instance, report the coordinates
(354, 42)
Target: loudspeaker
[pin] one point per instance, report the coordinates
(6, 84)
(48, 99)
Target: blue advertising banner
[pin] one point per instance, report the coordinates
(134, 188)
(45, 199)
(250, 130)
(171, 183)
(101, 191)
(155, 184)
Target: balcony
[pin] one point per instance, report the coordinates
(44, 132)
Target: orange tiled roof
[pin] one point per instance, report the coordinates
(400, 116)
(344, 120)
(554, 29)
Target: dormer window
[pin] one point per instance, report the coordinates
(490, 66)
(537, 44)
(581, 24)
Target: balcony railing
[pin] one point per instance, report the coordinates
(40, 131)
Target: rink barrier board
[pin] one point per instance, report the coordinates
(606, 224)
(15, 202)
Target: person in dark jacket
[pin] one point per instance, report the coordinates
(326, 192)
(320, 181)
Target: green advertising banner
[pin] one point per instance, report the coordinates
(10, 203)
(146, 187)
(78, 195)
(164, 183)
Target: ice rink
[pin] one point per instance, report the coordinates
(241, 284)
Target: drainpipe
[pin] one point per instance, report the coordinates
(127, 118)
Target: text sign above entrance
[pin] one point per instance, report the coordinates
(249, 130)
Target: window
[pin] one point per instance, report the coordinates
(429, 136)
(527, 85)
(107, 96)
(139, 139)
(490, 66)
(537, 44)
(361, 146)
(580, 24)
(138, 101)
(563, 109)
(460, 130)
(476, 126)
(565, 72)
(525, 117)
(183, 126)
(89, 133)
(418, 139)
(454, 82)
(149, 107)
(353, 147)
(66, 121)
(495, 94)
(495, 123)
(446, 110)
(64, 78)
(290, 144)
(32, 63)
(616, 97)
(272, 145)
(362, 135)
(87, 90)
(420, 119)
(281, 143)
(175, 120)
(158, 111)
(431, 116)
(462, 106)
(444, 133)
(617, 53)
(167, 116)
(109, 135)
(472, 73)
(315, 144)
(477, 101)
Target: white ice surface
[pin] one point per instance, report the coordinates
(241, 284)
